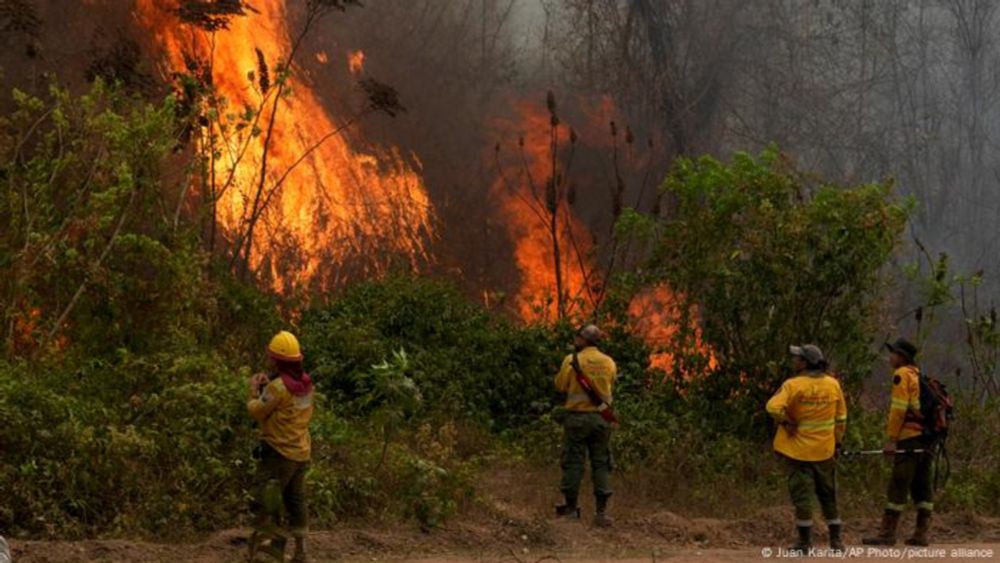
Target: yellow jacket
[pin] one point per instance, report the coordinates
(599, 367)
(814, 402)
(284, 419)
(905, 397)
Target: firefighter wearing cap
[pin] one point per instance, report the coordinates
(586, 431)
(812, 417)
(912, 473)
(281, 402)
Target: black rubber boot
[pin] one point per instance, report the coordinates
(253, 544)
(805, 540)
(921, 534)
(568, 508)
(276, 547)
(836, 537)
(300, 550)
(887, 533)
(602, 519)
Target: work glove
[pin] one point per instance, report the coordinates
(257, 382)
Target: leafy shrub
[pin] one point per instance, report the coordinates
(154, 444)
(767, 258)
(466, 362)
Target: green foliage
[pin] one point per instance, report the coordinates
(763, 259)
(97, 259)
(92, 257)
(465, 361)
(161, 445)
(157, 444)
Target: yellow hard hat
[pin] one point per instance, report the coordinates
(284, 346)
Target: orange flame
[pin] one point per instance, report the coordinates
(356, 61)
(654, 314)
(333, 204)
(25, 327)
(521, 192)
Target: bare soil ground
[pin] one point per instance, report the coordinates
(724, 541)
(513, 523)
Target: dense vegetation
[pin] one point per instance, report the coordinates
(128, 347)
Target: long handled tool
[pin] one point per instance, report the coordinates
(882, 452)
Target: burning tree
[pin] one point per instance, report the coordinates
(544, 192)
(565, 272)
(296, 203)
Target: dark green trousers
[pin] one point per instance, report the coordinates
(586, 434)
(912, 475)
(279, 483)
(813, 479)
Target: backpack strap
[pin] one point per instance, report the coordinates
(591, 391)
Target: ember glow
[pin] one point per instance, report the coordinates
(335, 210)
(356, 61)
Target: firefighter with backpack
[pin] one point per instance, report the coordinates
(918, 418)
(587, 377)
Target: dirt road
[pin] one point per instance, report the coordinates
(859, 554)
(662, 537)
(153, 553)
(511, 525)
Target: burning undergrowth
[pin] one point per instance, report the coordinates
(557, 184)
(285, 183)
(300, 204)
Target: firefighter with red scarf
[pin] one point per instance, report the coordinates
(281, 401)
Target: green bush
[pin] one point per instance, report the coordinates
(152, 444)
(161, 445)
(467, 362)
(763, 257)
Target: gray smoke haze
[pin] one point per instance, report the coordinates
(855, 91)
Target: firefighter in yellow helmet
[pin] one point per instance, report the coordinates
(281, 401)
(812, 417)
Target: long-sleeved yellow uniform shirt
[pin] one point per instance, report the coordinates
(599, 367)
(814, 402)
(284, 419)
(905, 397)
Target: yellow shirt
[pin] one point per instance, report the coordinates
(284, 419)
(905, 397)
(599, 367)
(814, 402)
